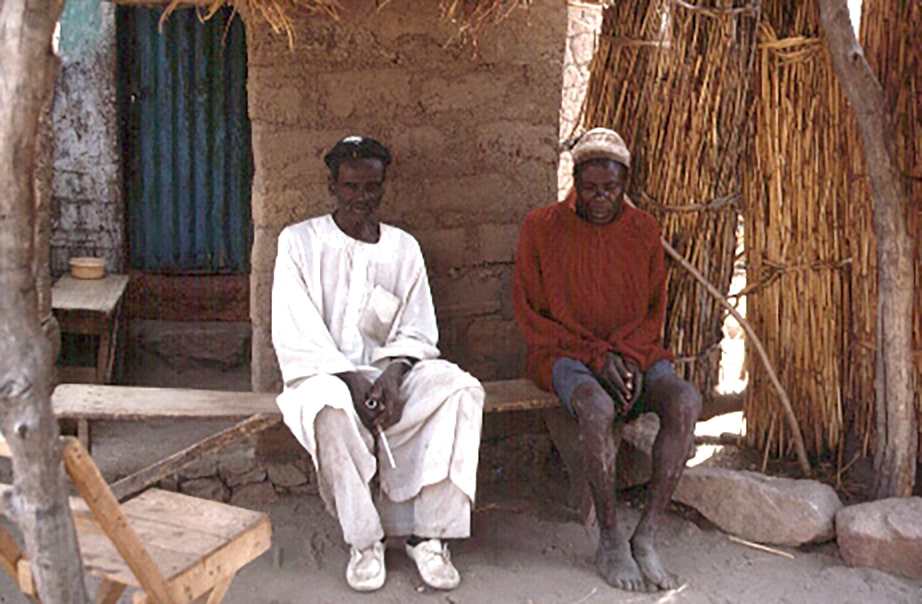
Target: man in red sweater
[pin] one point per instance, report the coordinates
(590, 297)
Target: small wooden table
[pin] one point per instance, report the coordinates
(90, 307)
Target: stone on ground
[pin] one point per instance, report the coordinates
(765, 509)
(884, 534)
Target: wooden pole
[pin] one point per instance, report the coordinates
(39, 504)
(897, 431)
(756, 342)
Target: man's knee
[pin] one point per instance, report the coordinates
(331, 420)
(686, 403)
(594, 407)
(677, 401)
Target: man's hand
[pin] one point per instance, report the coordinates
(623, 379)
(386, 390)
(359, 388)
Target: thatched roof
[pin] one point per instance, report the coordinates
(470, 16)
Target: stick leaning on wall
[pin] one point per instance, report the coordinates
(757, 344)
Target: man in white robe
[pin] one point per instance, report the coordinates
(354, 329)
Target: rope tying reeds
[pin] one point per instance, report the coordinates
(733, 199)
(708, 352)
(719, 11)
(625, 42)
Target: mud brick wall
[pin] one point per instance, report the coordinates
(474, 138)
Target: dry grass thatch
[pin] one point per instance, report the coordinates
(470, 16)
(673, 79)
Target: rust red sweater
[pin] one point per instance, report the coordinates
(581, 290)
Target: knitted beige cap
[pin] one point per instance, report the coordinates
(600, 142)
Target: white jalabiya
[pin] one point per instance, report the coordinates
(339, 305)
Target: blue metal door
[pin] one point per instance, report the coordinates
(188, 162)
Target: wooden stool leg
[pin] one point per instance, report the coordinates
(219, 590)
(102, 356)
(109, 592)
(83, 433)
(26, 581)
(10, 554)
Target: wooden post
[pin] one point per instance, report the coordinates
(897, 432)
(39, 506)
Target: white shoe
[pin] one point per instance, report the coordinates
(366, 571)
(434, 564)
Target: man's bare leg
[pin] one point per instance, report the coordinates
(678, 405)
(595, 414)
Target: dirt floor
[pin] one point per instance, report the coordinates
(527, 547)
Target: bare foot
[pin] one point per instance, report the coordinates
(617, 567)
(651, 567)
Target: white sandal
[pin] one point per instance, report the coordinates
(365, 571)
(434, 564)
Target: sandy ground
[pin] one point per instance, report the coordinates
(526, 546)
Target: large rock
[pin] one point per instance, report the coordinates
(884, 534)
(766, 509)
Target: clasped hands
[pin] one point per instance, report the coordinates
(377, 404)
(622, 379)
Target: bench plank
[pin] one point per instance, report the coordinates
(104, 402)
(87, 402)
(516, 395)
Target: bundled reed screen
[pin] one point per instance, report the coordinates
(615, 93)
(798, 259)
(891, 34)
(673, 78)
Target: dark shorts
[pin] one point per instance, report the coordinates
(568, 374)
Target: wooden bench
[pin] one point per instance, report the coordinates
(89, 402)
(172, 547)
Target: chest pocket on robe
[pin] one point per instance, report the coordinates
(378, 315)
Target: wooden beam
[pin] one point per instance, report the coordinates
(106, 402)
(140, 480)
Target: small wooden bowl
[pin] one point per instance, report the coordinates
(85, 267)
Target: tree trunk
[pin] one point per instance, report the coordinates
(897, 432)
(39, 502)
